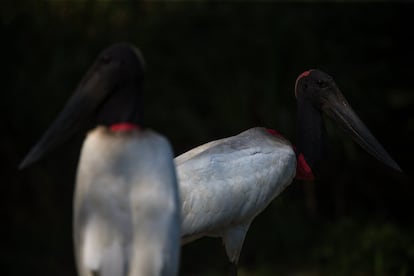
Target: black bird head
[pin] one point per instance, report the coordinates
(316, 92)
(110, 92)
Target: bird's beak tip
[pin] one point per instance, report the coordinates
(21, 166)
(26, 162)
(397, 168)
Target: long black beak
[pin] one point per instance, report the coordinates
(338, 109)
(79, 107)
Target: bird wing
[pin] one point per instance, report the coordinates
(229, 181)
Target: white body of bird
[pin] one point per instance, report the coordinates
(226, 183)
(126, 205)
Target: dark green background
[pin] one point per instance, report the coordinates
(215, 70)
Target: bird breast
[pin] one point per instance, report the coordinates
(126, 200)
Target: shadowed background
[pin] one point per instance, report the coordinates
(214, 70)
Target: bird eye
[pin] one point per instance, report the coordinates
(106, 59)
(322, 84)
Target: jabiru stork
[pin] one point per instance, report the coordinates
(126, 202)
(226, 183)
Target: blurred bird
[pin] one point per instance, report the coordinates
(126, 205)
(226, 183)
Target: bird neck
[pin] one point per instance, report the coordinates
(119, 127)
(303, 170)
(311, 133)
(123, 108)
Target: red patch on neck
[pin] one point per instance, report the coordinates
(124, 127)
(274, 133)
(303, 170)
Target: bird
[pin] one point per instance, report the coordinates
(126, 199)
(226, 183)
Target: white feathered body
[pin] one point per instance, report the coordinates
(226, 183)
(126, 209)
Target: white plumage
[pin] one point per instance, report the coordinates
(126, 215)
(226, 183)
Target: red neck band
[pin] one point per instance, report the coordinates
(124, 127)
(303, 170)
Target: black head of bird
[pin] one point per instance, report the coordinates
(316, 92)
(110, 92)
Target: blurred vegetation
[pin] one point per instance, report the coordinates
(214, 70)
